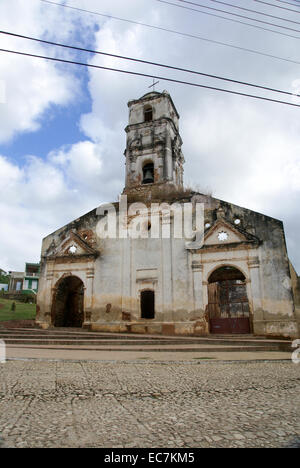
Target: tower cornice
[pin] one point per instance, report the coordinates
(156, 122)
(152, 96)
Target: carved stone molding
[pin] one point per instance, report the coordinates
(197, 266)
(147, 280)
(90, 273)
(254, 262)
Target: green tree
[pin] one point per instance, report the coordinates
(4, 279)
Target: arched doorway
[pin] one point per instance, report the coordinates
(67, 308)
(228, 305)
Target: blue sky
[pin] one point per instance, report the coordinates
(59, 126)
(62, 127)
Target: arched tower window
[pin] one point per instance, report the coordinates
(148, 173)
(148, 114)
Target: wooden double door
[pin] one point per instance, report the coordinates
(228, 307)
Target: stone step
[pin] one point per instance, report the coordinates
(268, 346)
(75, 337)
(120, 338)
(80, 332)
(152, 348)
(131, 336)
(15, 339)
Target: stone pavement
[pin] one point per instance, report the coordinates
(149, 404)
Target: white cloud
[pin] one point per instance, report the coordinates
(81, 162)
(31, 85)
(38, 199)
(246, 151)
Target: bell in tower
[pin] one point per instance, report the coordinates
(148, 174)
(153, 148)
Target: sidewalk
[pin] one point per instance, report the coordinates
(50, 353)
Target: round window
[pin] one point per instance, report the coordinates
(222, 236)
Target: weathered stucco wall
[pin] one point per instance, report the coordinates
(274, 311)
(115, 273)
(179, 277)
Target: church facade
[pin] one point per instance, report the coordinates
(235, 278)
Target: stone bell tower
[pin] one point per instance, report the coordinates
(153, 150)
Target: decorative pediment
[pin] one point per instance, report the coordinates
(72, 247)
(224, 234)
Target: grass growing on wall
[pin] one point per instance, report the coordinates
(23, 311)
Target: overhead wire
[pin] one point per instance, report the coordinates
(232, 14)
(288, 3)
(231, 5)
(145, 62)
(146, 75)
(172, 31)
(228, 19)
(278, 6)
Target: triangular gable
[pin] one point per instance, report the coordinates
(72, 246)
(222, 233)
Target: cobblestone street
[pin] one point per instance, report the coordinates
(143, 404)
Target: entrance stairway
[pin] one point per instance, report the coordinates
(71, 338)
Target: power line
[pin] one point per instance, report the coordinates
(278, 6)
(253, 11)
(228, 19)
(145, 62)
(145, 75)
(288, 3)
(237, 15)
(172, 31)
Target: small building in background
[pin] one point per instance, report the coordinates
(16, 281)
(31, 277)
(27, 281)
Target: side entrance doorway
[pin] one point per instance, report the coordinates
(67, 307)
(147, 304)
(228, 305)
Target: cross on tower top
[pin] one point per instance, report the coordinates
(153, 85)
